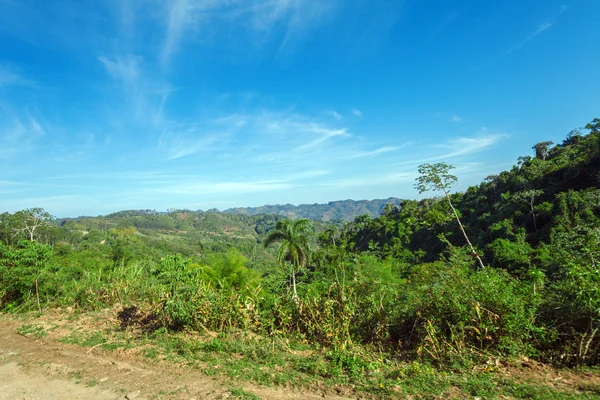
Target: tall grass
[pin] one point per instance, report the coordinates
(446, 312)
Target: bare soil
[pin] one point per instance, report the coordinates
(40, 368)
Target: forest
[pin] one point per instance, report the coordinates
(507, 270)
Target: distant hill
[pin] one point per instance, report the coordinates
(345, 210)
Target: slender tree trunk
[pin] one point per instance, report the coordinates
(463, 231)
(294, 293)
(37, 295)
(533, 215)
(586, 340)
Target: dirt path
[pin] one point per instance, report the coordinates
(15, 383)
(40, 368)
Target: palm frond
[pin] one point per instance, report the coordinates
(274, 236)
(302, 226)
(282, 252)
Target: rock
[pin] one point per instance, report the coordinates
(133, 395)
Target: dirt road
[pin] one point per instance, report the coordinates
(38, 368)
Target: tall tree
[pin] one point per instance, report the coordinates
(6, 228)
(32, 222)
(492, 180)
(438, 177)
(529, 196)
(541, 149)
(329, 236)
(293, 239)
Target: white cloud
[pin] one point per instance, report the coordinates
(180, 14)
(456, 118)
(10, 77)
(124, 69)
(540, 28)
(184, 19)
(190, 185)
(305, 175)
(291, 128)
(372, 180)
(178, 145)
(326, 135)
(468, 145)
(381, 150)
(53, 204)
(9, 187)
(145, 95)
(336, 115)
(36, 127)
(209, 187)
(356, 112)
(18, 134)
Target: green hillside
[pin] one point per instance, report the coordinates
(440, 296)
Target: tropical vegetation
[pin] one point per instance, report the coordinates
(505, 270)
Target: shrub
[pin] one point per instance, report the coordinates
(22, 270)
(454, 313)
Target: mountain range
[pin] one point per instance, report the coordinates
(345, 210)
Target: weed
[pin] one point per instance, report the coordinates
(76, 376)
(242, 394)
(37, 331)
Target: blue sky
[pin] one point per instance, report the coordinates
(133, 104)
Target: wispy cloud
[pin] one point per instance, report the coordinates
(19, 132)
(456, 118)
(212, 187)
(365, 180)
(111, 176)
(381, 150)
(260, 136)
(194, 185)
(145, 94)
(463, 146)
(180, 14)
(49, 202)
(124, 69)
(336, 115)
(325, 135)
(356, 112)
(11, 187)
(9, 76)
(36, 126)
(188, 19)
(178, 145)
(541, 28)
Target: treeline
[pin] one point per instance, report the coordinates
(406, 284)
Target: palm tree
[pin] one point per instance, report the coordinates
(294, 247)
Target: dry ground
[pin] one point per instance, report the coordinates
(40, 368)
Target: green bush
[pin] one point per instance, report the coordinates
(22, 270)
(452, 313)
